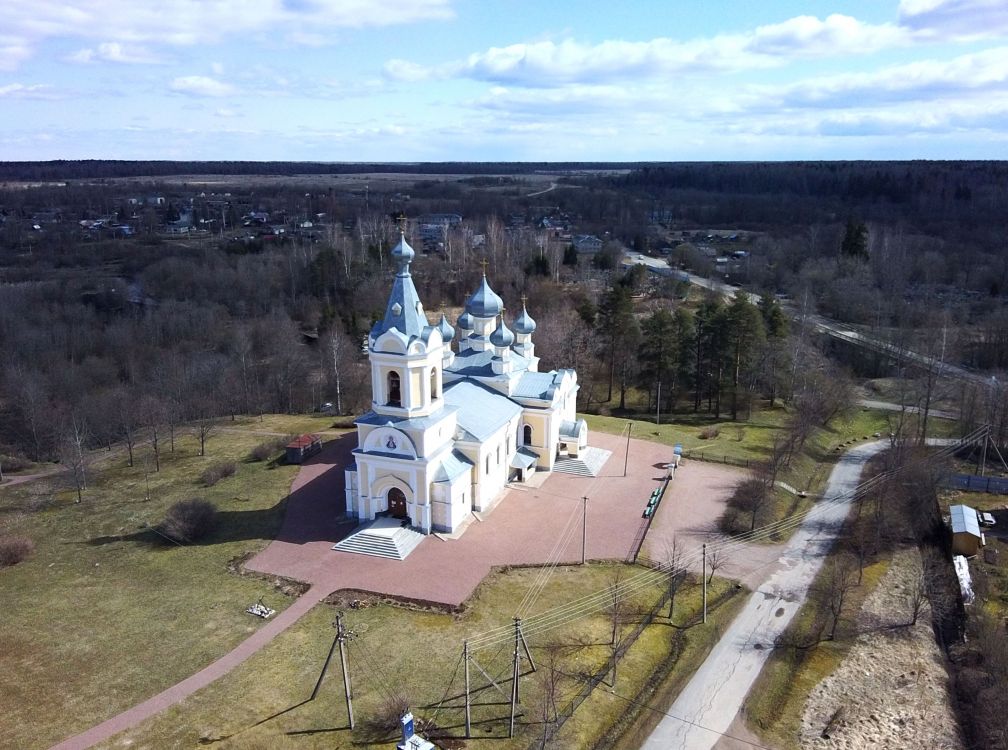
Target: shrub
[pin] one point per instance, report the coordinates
(265, 451)
(189, 520)
(13, 463)
(14, 549)
(707, 433)
(217, 472)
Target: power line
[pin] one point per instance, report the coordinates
(685, 721)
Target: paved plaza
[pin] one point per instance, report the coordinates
(521, 529)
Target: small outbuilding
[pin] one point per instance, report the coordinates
(303, 447)
(967, 539)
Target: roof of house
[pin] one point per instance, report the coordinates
(303, 441)
(964, 520)
(481, 411)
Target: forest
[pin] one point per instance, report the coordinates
(134, 306)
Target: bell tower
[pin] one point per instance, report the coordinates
(406, 352)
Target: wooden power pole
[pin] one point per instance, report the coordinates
(342, 636)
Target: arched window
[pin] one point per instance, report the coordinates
(394, 397)
(433, 384)
(528, 434)
(488, 466)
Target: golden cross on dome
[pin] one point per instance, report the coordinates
(401, 222)
(524, 299)
(484, 263)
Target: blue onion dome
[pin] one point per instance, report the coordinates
(524, 323)
(445, 329)
(484, 303)
(502, 335)
(403, 252)
(465, 322)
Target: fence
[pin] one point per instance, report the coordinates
(721, 459)
(976, 483)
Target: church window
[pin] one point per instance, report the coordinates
(488, 466)
(498, 454)
(394, 397)
(528, 434)
(433, 384)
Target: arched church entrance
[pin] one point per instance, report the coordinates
(396, 503)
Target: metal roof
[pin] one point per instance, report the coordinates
(403, 311)
(454, 465)
(536, 385)
(964, 520)
(481, 411)
(473, 362)
(484, 303)
(523, 459)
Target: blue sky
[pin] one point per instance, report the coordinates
(435, 80)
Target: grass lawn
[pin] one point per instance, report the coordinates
(105, 613)
(776, 701)
(416, 654)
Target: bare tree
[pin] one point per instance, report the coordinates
(917, 598)
(837, 584)
(73, 454)
(675, 573)
(715, 560)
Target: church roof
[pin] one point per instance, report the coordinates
(447, 332)
(454, 464)
(465, 322)
(524, 323)
(484, 303)
(537, 385)
(481, 411)
(523, 458)
(502, 335)
(403, 310)
(475, 362)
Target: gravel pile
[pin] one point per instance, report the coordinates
(891, 690)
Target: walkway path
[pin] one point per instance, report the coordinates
(713, 696)
(182, 690)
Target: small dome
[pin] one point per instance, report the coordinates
(403, 252)
(502, 335)
(465, 322)
(484, 303)
(524, 323)
(445, 329)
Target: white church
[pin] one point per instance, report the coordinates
(449, 429)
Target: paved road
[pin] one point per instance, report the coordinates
(712, 698)
(823, 324)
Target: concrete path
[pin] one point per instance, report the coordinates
(888, 406)
(711, 699)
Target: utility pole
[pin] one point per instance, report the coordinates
(341, 636)
(514, 682)
(584, 527)
(468, 715)
(703, 575)
(983, 452)
(626, 455)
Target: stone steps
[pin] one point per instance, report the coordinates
(588, 464)
(382, 539)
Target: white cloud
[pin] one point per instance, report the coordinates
(116, 53)
(202, 86)
(28, 23)
(548, 63)
(21, 91)
(954, 19)
(225, 113)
